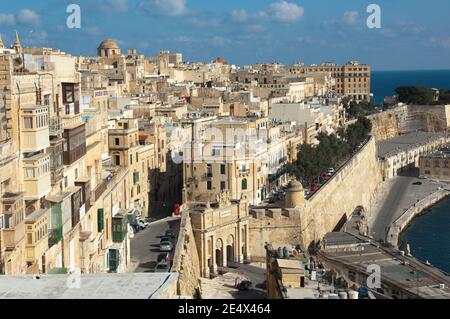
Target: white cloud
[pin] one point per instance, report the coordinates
(29, 17)
(284, 11)
(441, 42)
(240, 15)
(171, 8)
(351, 17)
(255, 28)
(7, 19)
(36, 39)
(220, 41)
(114, 5)
(183, 39)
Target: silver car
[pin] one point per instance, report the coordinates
(166, 246)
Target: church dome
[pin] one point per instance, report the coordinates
(108, 44)
(108, 48)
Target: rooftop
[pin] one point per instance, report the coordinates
(96, 286)
(402, 271)
(406, 142)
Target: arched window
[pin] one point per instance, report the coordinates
(244, 184)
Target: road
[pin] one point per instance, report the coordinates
(389, 209)
(145, 244)
(401, 196)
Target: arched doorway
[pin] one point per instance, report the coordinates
(219, 253)
(230, 249)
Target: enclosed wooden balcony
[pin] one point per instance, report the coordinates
(34, 126)
(36, 230)
(37, 176)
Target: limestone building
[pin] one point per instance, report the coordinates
(221, 231)
(353, 79)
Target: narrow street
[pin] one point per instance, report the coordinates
(145, 244)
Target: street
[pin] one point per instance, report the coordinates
(145, 244)
(400, 197)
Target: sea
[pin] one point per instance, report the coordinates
(384, 83)
(429, 234)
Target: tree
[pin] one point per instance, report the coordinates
(415, 95)
(312, 161)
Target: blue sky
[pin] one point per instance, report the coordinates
(414, 35)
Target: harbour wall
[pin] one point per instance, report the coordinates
(401, 223)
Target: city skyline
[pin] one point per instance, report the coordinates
(281, 31)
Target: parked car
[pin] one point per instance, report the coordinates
(331, 170)
(162, 267)
(142, 223)
(164, 257)
(166, 246)
(170, 233)
(418, 183)
(166, 238)
(314, 188)
(307, 192)
(325, 177)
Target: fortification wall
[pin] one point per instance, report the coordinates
(386, 125)
(186, 261)
(355, 184)
(411, 118)
(275, 226)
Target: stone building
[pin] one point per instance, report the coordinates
(221, 231)
(352, 79)
(435, 165)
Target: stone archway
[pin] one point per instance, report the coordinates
(219, 253)
(230, 249)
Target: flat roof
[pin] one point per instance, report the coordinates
(290, 264)
(92, 286)
(340, 238)
(35, 215)
(395, 268)
(406, 142)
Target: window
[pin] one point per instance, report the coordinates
(209, 185)
(216, 152)
(222, 169)
(29, 172)
(68, 92)
(66, 182)
(117, 160)
(28, 122)
(117, 141)
(47, 99)
(131, 159)
(222, 186)
(244, 184)
(137, 157)
(76, 173)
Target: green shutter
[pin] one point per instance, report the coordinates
(100, 220)
(113, 259)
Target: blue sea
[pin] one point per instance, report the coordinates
(384, 83)
(429, 236)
